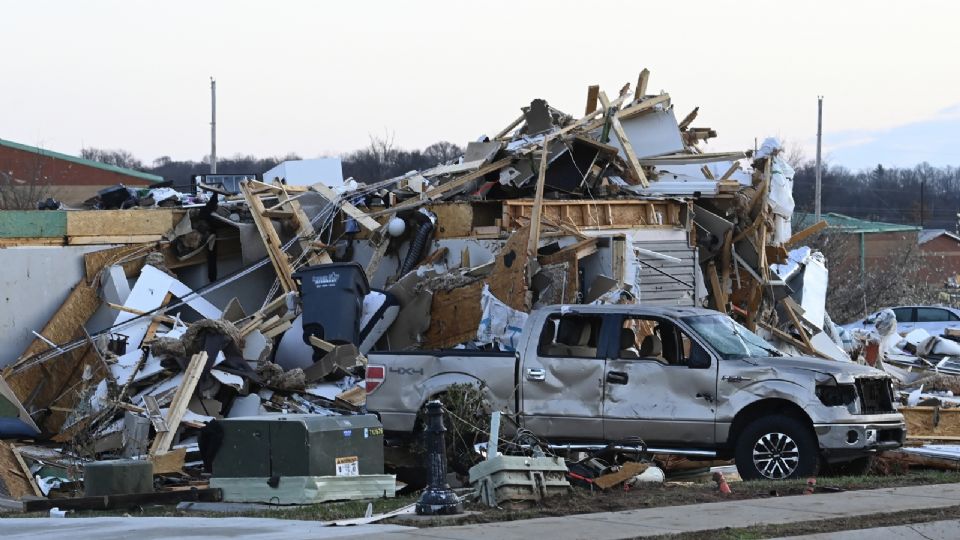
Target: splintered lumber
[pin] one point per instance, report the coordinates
(12, 479)
(179, 404)
(107, 502)
(788, 304)
(270, 238)
(510, 127)
(593, 92)
(642, 84)
(305, 230)
(627, 471)
(26, 471)
(716, 290)
(348, 208)
(806, 233)
(642, 107)
(533, 241)
(442, 190)
(632, 160)
(689, 118)
(321, 344)
(733, 168)
(277, 330)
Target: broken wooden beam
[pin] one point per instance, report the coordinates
(178, 407)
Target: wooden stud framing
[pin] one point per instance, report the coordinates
(161, 444)
(621, 135)
(642, 84)
(593, 92)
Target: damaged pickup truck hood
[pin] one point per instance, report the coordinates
(844, 372)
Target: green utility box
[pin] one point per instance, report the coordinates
(300, 445)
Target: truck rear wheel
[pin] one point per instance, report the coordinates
(776, 448)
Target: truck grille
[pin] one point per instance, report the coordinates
(875, 396)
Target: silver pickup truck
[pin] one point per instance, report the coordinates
(685, 381)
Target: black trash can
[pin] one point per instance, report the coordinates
(332, 298)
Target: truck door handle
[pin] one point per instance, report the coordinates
(617, 377)
(536, 374)
(735, 378)
(706, 396)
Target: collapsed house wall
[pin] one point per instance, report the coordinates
(35, 281)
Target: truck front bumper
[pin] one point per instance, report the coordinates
(838, 441)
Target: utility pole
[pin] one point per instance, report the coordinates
(819, 139)
(213, 126)
(923, 184)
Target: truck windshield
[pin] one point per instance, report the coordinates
(729, 339)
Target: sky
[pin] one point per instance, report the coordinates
(320, 78)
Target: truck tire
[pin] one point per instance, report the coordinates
(776, 448)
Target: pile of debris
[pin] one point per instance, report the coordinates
(618, 205)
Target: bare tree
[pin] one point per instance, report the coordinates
(442, 151)
(858, 288)
(118, 158)
(23, 190)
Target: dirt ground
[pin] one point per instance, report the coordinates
(584, 501)
(581, 501)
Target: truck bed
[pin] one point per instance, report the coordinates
(410, 379)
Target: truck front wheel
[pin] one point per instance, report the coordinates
(776, 448)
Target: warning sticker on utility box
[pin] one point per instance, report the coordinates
(348, 466)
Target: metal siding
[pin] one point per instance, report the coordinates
(657, 288)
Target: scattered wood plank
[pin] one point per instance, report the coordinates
(277, 330)
(178, 406)
(533, 241)
(788, 306)
(621, 135)
(510, 127)
(644, 106)
(806, 233)
(627, 471)
(442, 190)
(321, 344)
(641, 84)
(717, 294)
(118, 239)
(26, 471)
(593, 92)
(347, 207)
(108, 502)
(688, 119)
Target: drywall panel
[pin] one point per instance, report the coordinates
(34, 283)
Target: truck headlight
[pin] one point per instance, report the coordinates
(838, 395)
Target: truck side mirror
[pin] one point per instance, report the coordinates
(699, 358)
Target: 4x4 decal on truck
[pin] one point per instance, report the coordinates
(406, 371)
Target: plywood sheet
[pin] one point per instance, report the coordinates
(156, 221)
(33, 224)
(931, 422)
(454, 317)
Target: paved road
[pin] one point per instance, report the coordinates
(179, 528)
(600, 526)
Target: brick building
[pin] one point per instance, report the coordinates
(941, 250)
(37, 174)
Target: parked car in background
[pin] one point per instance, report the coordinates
(933, 319)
